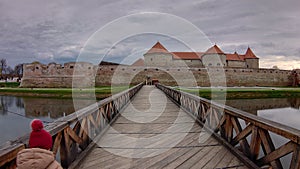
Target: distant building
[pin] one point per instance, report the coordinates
(159, 56)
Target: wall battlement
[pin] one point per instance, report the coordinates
(88, 75)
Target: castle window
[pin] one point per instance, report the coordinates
(151, 59)
(210, 64)
(89, 68)
(145, 69)
(71, 67)
(218, 64)
(36, 67)
(112, 69)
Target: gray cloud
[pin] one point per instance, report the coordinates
(57, 30)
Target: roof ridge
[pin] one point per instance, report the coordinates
(249, 54)
(158, 48)
(214, 50)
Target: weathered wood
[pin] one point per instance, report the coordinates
(281, 151)
(187, 152)
(228, 128)
(74, 136)
(231, 120)
(66, 138)
(268, 147)
(238, 129)
(56, 143)
(295, 162)
(255, 143)
(8, 155)
(242, 135)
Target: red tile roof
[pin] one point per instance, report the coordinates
(249, 54)
(158, 48)
(214, 50)
(139, 62)
(234, 57)
(187, 55)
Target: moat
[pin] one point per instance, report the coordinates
(17, 112)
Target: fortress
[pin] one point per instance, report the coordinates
(169, 68)
(159, 56)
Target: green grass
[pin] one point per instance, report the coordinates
(9, 84)
(244, 93)
(100, 92)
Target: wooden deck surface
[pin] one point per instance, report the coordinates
(152, 132)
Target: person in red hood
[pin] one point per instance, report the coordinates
(38, 156)
(39, 138)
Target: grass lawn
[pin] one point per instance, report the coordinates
(244, 92)
(100, 92)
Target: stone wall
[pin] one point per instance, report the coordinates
(57, 75)
(252, 63)
(87, 75)
(235, 64)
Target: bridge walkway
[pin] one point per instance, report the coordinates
(153, 132)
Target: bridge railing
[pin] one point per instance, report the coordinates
(249, 136)
(72, 134)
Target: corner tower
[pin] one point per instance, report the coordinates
(158, 56)
(251, 60)
(214, 57)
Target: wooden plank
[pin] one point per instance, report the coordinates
(243, 142)
(74, 136)
(189, 149)
(255, 143)
(11, 153)
(56, 143)
(218, 158)
(225, 160)
(207, 156)
(228, 128)
(295, 162)
(268, 147)
(279, 152)
(242, 135)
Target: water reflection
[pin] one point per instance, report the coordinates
(17, 112)
(254, 105)
(282, 110)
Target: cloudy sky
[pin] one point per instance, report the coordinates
(58, 30)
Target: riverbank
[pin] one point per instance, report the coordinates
(243, 92)
(106, 91)
(98, 92)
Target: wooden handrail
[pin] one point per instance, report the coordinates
(73, 133)
(243, 132)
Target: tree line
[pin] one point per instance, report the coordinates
(8, 72)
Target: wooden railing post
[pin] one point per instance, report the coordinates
(257, 128)
(76, 130)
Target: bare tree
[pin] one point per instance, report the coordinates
(19, 70)
(3, 65)
(9, 71)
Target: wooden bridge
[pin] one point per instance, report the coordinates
(159, 127)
